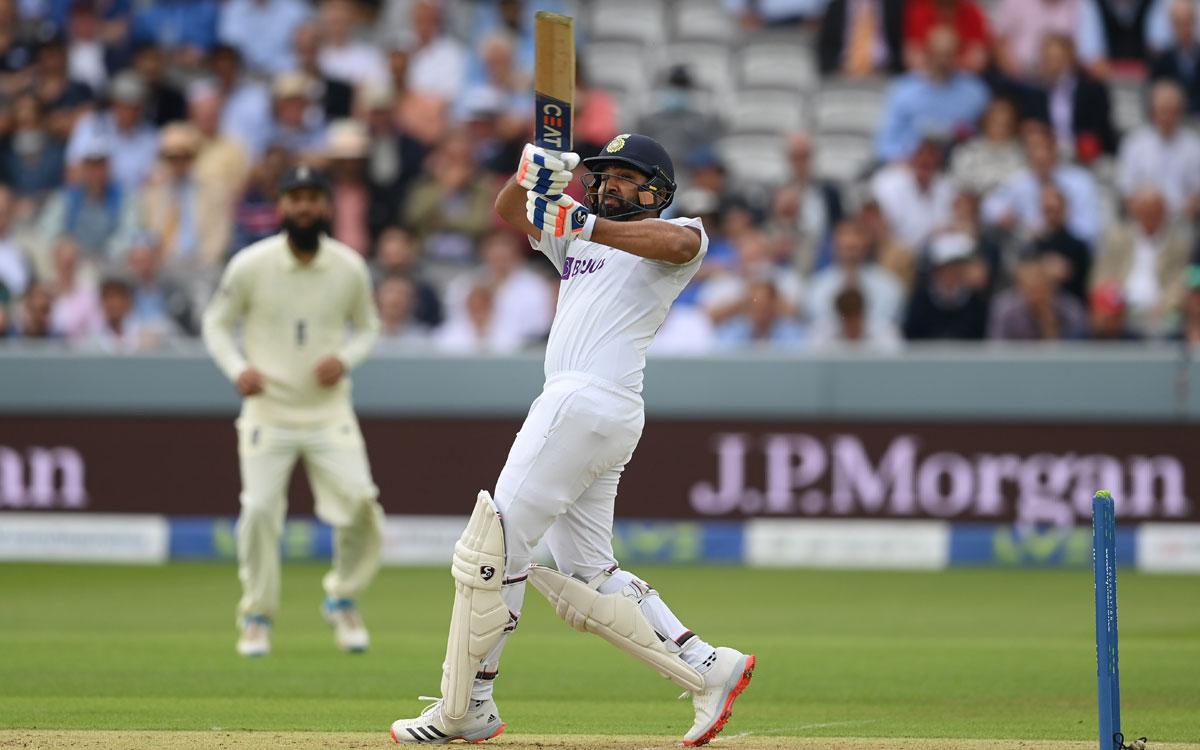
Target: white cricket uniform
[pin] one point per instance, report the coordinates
(560, 479)
(292, 315)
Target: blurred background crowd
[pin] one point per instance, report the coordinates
(870, 172)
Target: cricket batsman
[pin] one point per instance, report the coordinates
(307, 317)
(621, 267)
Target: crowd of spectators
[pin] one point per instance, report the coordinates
(141, 142)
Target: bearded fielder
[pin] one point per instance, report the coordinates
(296, 295)
(621, 268)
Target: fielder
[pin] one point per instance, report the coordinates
(296, 295)
(621, 268)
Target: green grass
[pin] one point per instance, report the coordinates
(964, 654)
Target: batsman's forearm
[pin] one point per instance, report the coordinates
(649, 238)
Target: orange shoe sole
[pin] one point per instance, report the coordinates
(727, 709)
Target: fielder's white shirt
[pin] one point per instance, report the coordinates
(610, 305)
(292, 316)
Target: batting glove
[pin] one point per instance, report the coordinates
(543, 172)
(561, 216)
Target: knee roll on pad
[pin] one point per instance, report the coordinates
(479, 616)
(617, 618)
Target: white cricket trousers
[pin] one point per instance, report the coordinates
(335, 459)
(560, 481)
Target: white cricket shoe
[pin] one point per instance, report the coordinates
(255, 639)
(723, 683)
(349, 632)
(432, 727)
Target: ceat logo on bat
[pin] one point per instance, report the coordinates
(555, 117)
(616, 144)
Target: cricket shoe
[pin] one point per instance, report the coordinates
(349, 632)
(255, 639)
(433, 727)
(723, 683)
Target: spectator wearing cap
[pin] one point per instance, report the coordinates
(1180, 60)
(296, 123)
(994, 155)
(1035, 308)
(1017, 204)
(186, 28)
(680, 116)
(350, 195)
(946, 302)
(31, 161)
(397, 254)
(1163, 152)
(763, 320)
(965, 17)
(449, 208)
(246, 111)
(498, 136)
(805, 209)
(1068, 258)
(438, 64)
(96, 211)
(859, 38)
(165, 103)
(852, 266)
(133, 142)
(15, 273)
(915, 195)
(343, 56)
(938, 99)
(262, 30)
(1108, 316)
(76, 310)
(174, 206)
(1019, 28)
(394, 155)
(1146, 258)
(1075, 105)
(399, 328)
(336, 95)
(851, 327)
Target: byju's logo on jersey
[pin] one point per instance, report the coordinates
(573, 267)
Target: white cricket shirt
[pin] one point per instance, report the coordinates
(610, 305)
(292, 316)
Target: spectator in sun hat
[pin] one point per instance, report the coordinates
(133, 140)
(945, 303)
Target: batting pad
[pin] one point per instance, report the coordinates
(480, 615)
(615, 618)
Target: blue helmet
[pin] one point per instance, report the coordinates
(639, 152)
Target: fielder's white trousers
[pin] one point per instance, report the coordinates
(560, 481)
(335, 459)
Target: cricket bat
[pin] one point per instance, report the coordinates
(553, 80)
